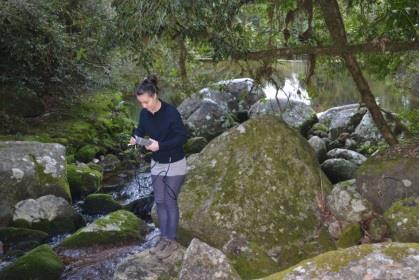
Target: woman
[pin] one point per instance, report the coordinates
(163, 124)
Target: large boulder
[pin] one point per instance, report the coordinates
(30, 169)
(83, 180)
(244, 194)
(295, 113)
(202, 261)
(115, 228)
(368, 261)
(48, 213)
(327, 116)
(390, 175)
(208, 112)
(39, 263)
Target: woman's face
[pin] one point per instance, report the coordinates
(147, 101)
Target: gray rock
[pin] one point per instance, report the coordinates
(319, 147)
(350, 155)
(345, 121)
(403, 218)
(294, 112)
(207, 112)
(202, 261)
(339, 169)
(368, 261)
(49, 213)
(30, 169)
(346, 204)
(147, 266)
(326, 117)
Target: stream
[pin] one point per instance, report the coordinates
(100, 262)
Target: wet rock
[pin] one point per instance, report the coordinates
(110, 163)
(202, 261)
(83, 180)
(100, 203)
(39, 263)
(115, 228)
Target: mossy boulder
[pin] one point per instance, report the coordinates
(49, 213)
(403, 219)
(245, 194)
(100, 203)
(117, 227)
(390, 260)
(195, 145)
(39, 263)
(83, 180)
(12, 235)
(389, 176)
(30, 169)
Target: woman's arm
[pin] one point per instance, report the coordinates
(180, 132)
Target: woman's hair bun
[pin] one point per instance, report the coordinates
(151, 79)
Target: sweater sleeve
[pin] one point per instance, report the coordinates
(179, 130)
(139, 131)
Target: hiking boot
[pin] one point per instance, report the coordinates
(159, 245)
(168, 249)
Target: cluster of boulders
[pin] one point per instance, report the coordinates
(271, 186)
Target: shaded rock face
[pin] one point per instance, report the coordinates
(384, 180)
(368, 261)
(206, 113)
(244, 194)
(30, 169)
(294, 112)
(202, 261)
(147, 266)
(48, 213)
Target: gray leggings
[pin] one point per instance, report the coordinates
(167, 207)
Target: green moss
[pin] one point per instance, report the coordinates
(116, 227)
(14, 235)
(350, 236)
(59, 185)
(403, 219)
(399, 252)
(88, 152)
(83, 180)
(39, 263)
(100, 204)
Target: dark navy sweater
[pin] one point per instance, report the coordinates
(166, 127)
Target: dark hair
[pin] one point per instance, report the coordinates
(148, 85)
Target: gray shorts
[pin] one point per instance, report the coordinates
(175, 168)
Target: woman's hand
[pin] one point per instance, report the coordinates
(153, 146)
(133, 141)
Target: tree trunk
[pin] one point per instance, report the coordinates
(368, 99)
(334, 23)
